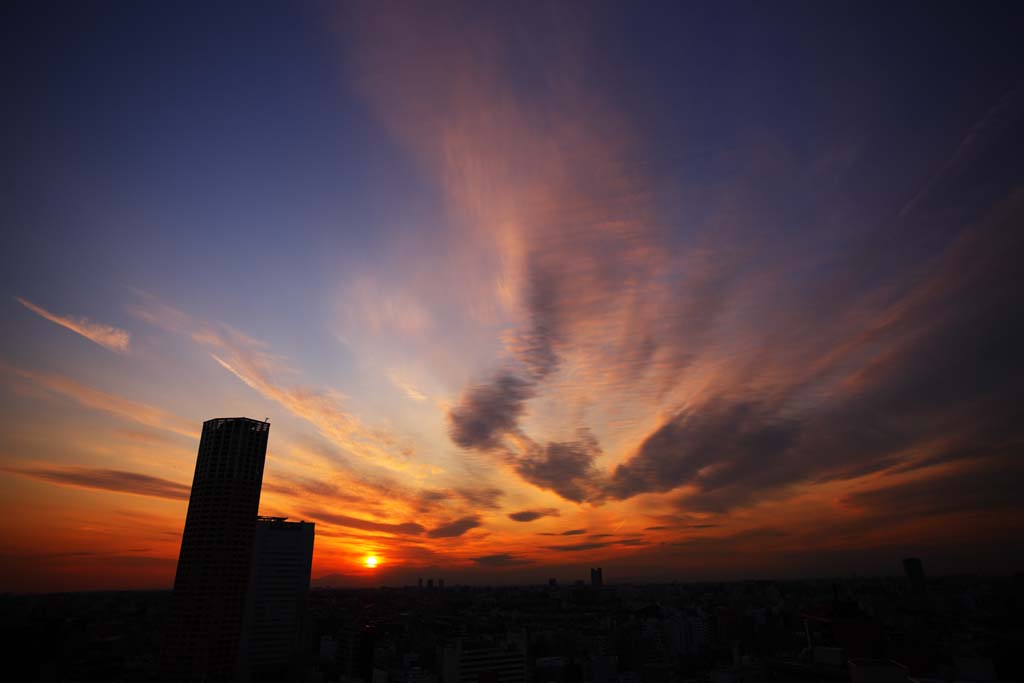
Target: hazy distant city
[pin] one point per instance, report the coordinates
(960, 628)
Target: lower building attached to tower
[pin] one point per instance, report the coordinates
(275, 627)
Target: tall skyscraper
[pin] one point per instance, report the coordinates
(204, 629)
(914, 570)
(596, 577)
(275, 610)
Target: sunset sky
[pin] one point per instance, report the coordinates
(523, 288)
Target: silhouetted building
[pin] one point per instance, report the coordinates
(596, 580)
(471, 660)
(275, 610)
(348, 651)
(877, 670)
(914, 570)
(201, 642)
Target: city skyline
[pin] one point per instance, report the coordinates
(523, 291)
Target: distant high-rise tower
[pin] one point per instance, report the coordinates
(204, 629)
(276, 606)
(914, 570)
(596, 580)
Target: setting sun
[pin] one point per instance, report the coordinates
(370, 561)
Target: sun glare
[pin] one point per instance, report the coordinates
(370, 561)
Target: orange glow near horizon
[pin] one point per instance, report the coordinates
(371, 561)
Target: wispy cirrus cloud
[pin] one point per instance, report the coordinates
(406, 386)
(119, 481)
(251, 361)
(96, 399)
(745, 365)
(554, 225)
(107, 336)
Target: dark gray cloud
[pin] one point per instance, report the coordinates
(579, 547)
(537, 350)
(593, 545)
(481, 497)
(488, 411)
(531, 515)
(567, 468)
(707, 446)
(119, 481)
(456, 528)
(501, 560)
(570, 532)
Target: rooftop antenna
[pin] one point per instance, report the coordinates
(266, 419)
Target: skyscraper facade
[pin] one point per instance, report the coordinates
(275, 610)
(914, 570)
(204, 629)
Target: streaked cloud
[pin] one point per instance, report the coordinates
(406, 386)
(96, 399)
(455, 528)
(252, 363)
(501, 560)
(107, 336)
(404, 528)
(119, 481)
(987, 486)
(579, 547)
